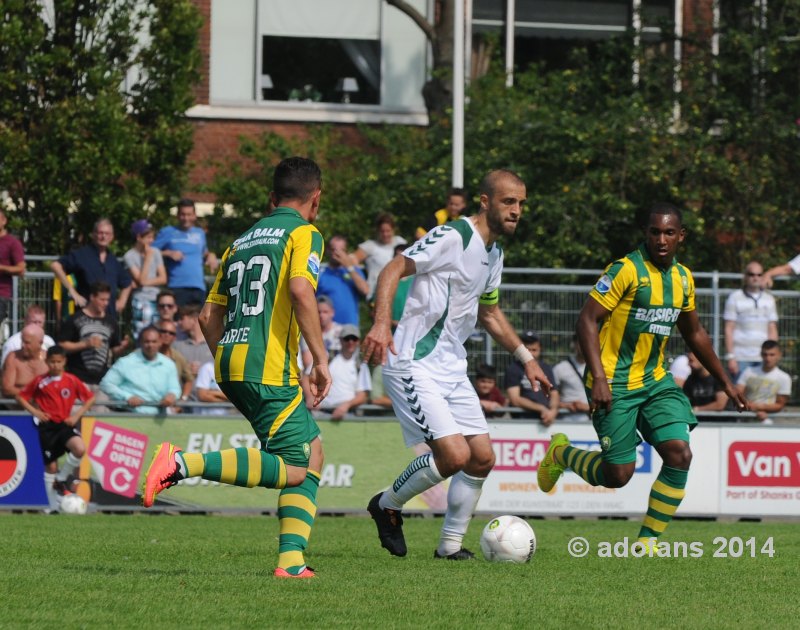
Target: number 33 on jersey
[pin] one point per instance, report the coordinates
(261, 338)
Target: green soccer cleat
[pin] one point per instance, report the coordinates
(549, 471)
(162, 473)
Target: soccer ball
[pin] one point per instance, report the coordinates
(508, 539)
(73, 504)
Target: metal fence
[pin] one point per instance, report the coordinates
(547, 301)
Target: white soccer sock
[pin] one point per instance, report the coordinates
(69, 467)
(52, 495)
(418, 476)
(465, 490)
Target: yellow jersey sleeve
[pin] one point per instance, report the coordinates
(307, 248)
(215, 295)
(615, 282)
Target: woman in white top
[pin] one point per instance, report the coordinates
(376, 253)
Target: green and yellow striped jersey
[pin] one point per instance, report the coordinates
(261, 338)
(645, 303)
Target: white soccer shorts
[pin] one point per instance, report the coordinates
(429, 409)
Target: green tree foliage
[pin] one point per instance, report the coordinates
(595, 148)
(92, 103)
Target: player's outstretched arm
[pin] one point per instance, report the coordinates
(497, 325)
(699, 342)
(379, 338)
(588, 330)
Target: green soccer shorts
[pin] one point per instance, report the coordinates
(658, 411)
(279, 417)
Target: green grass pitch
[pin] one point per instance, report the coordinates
(144, 571)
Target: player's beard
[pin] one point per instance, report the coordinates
(497, 225)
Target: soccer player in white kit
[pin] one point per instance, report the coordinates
(457, 269)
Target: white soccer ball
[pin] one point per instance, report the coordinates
(73, 504)
(508, 539)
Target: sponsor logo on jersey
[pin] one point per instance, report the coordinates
(668, 315)
(603, 284)
(313, 263)
(13, 460)
(685, 283)
(306, 449)
(644, 281)
(65, 392)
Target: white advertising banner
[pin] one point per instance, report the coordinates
(736, 470)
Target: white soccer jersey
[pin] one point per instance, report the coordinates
(454, 270)
(752, 313)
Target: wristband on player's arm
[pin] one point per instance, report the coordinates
(522, 354)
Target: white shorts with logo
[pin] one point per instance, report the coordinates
(429, 409)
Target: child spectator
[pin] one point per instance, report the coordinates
(49, 398)
(488, 393)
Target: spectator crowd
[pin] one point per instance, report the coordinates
(157, 361)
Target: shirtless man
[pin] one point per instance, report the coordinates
(25, 364)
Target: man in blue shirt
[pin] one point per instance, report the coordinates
(342, 282)
(185, 251)
(95, 263)
(144, 376)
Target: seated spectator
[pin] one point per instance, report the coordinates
(767, 387)
(208, 391)
(351, 379)
(166, 330)
(569, 383)
(145, 376)
(146, 267)
(520, 392)
(91, 339)
(24, 365)
(488, 393)
(49, 398)
(376, 253)
(194, 347)
(703, 390)
(34, 315)
(167, 309)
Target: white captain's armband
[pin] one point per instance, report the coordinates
(493, 297)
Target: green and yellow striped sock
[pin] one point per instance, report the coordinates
(247, 467)
(585, 464)
(665, 496)
(297, 507)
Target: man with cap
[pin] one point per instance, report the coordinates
(520, 392)
(351, 378)
(146, 266)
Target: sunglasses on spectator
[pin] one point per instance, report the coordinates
(165, 305)
(166, 332)
(349, 338)
(755, 275)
